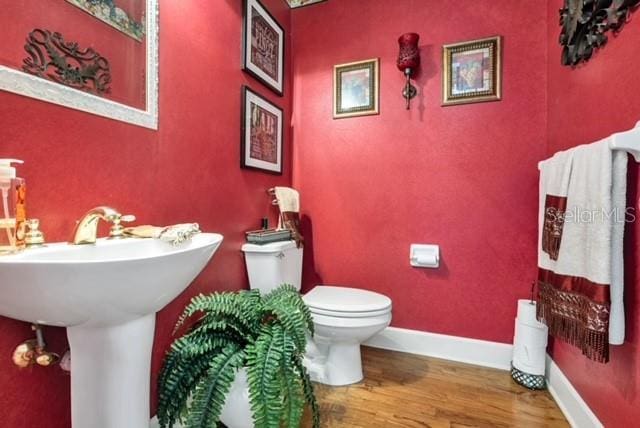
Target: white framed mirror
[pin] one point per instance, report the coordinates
(139, 109)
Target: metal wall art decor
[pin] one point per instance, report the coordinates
(129, 22)
(356, 89)
(301, 3)
(262, 133)
(263, 46)
(51, 57)
(585, 24)
(472, 72)
(140, 109)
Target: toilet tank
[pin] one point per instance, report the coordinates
(271, 265)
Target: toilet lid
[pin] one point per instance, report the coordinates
(343, 301)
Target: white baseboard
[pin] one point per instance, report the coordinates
(486, 354)
(453, 348)
(572, 405)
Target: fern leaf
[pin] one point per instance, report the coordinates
(309, 395)
(243, 306)
(263, 366)
(198, 344)
(184, 365)
(293, 400)
(288, 297)
(209, 325)
(292, 321)
(178, 378)
(276, 293)
(211, 391)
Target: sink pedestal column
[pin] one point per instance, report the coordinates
(111, 374)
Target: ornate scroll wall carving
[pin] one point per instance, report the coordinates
(585, 24)
(51, 57)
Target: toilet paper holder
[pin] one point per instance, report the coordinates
(424, 256)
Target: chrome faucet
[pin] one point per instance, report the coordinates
(86, 230)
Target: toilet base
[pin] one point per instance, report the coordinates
(335, 363)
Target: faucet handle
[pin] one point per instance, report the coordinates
(34, 237)
(117, 230)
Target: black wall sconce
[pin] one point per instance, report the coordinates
(408, 62)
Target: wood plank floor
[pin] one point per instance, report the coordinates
(408, 391)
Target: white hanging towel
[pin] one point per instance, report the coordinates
(580, 247)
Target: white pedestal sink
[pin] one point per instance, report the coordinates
(106, 295)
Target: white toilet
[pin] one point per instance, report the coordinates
(343, 317)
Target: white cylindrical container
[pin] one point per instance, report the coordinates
(529, 347)
(236, 412)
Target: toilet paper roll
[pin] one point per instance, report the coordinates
(529, 360)
(531, 336)
(529, 340)
(527, 313)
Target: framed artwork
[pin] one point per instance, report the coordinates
(262, 133)
(356, 89)
(293, 4)
(47, 66)
(263, 46)
(126, 16)
(472, 72)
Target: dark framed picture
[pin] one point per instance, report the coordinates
(262, 133)
(294, 4)
(472, 71)
(356, 89)
(263, 46)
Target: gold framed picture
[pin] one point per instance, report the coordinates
(356, 89)
(126, 17)
(472, 71)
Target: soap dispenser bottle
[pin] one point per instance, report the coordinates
(13, 213)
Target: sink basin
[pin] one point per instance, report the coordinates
(109, 283)
(106, 295)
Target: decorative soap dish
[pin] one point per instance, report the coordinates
(266, 236)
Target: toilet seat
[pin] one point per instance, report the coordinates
(345, 302)
(343, 314)
(344, 322)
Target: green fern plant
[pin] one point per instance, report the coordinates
(265, 334)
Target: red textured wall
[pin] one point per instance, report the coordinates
(187, 171)
(586, 104)
(463, 177)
